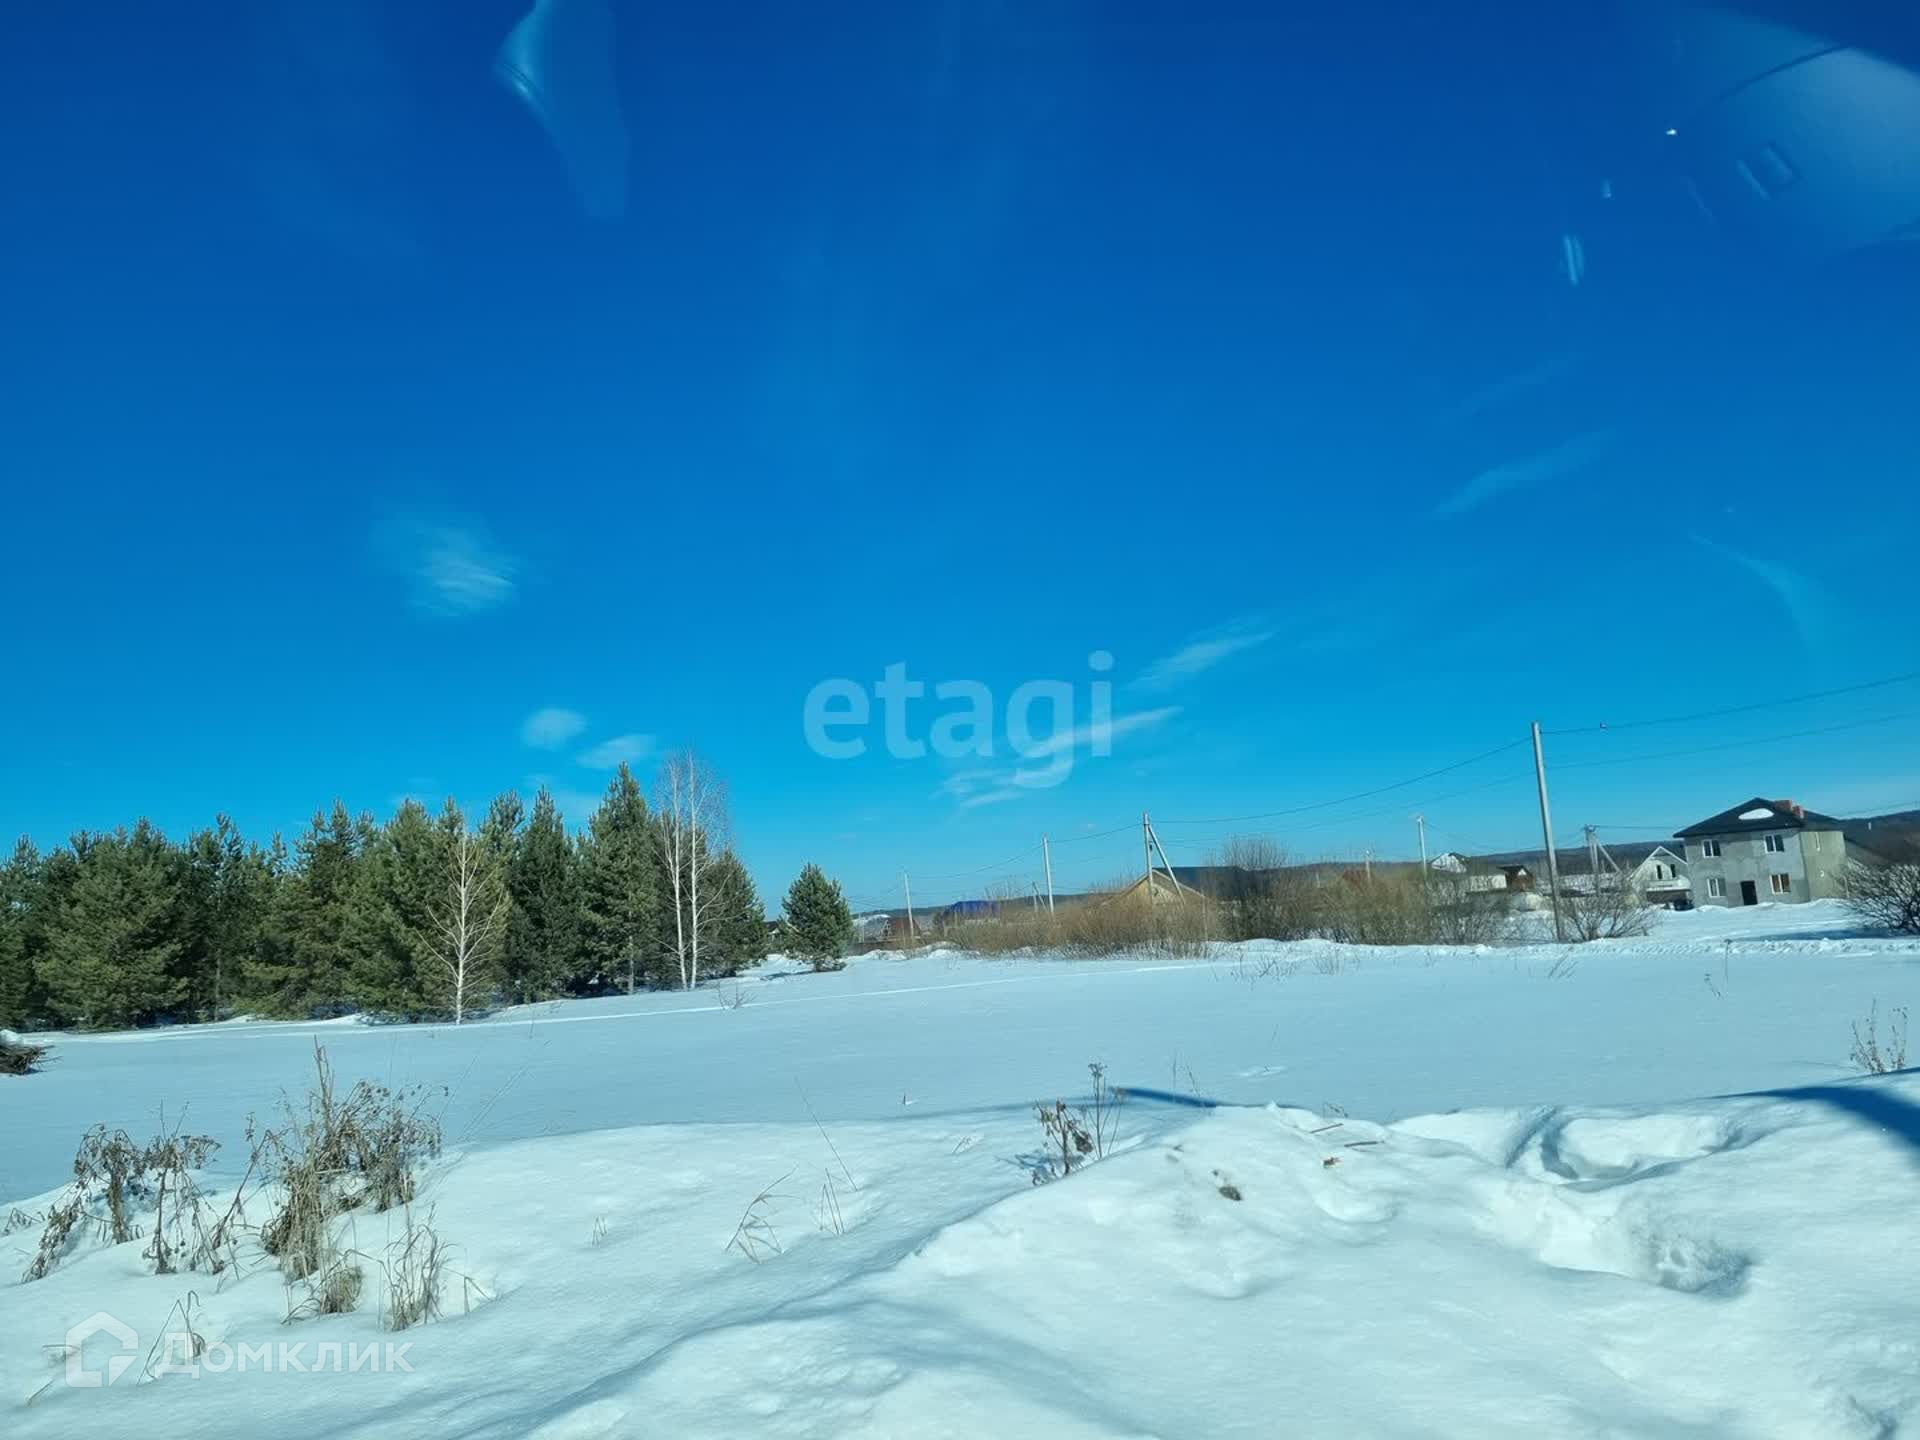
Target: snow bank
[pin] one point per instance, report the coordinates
(1726, 1267)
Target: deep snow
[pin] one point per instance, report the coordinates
(1592, 1247)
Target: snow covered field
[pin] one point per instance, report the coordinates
(1537, 1219)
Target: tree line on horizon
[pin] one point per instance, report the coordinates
(423, 917)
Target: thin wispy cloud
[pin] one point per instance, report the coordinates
(620, 750)
(451, 566)
(552, 727)
(461, 574)
(1554, 463)
(1499, 392)
(1201, 654)
(995, 786)
(1066, 741)
(1810, 609)
(996, 796)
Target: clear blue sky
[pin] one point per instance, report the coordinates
(338, 441)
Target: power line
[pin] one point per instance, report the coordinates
(1348, 799)
(1736, 709)
(1731, 744)
(1018, 855)
(1131, 825)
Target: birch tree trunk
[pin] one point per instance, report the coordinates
(691, 804)
(471, 921)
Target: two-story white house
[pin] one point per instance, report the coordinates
(1765, 850)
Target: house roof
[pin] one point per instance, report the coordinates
(1626, 854)
(1760, 814)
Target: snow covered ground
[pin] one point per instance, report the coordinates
(1443, 1192)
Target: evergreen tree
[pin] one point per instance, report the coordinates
(308, 968)
(111, 956)
(740, 920)
(229, 895)
(389, 926)
(543, 937)
(23, 929)
(261, 980)
(819, 925)
(620, 886)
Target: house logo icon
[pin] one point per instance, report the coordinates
(78, 1375)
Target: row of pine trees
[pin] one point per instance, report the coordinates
(130, 928)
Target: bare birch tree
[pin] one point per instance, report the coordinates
(469, 924)
(690, 811)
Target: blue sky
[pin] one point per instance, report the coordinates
(346, 455)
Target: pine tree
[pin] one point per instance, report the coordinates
(111, 957)
(229, 895)
(819, 925)
(265, 975)
(740, 920)
(620, 883)
(543, 938)
(308, 971)
(23, 928)
(389, 927)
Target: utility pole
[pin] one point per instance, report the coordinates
(1546, 833)
(1368, 860)
(1146, 846)
(1421, 821)
(907, 885)
(1593, 856)
(1046, 858)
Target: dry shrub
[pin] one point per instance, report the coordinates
(1868, 1052)
(354, 1153)
(1887, 896)
(1113, 924)
(1262, 896)
(1107, 921)
(1076, 1134)
(17, 1056)
(1606, 912)
(112, 1179)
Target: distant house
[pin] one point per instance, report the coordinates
(1653, 871)
(1483, 876)
(1664, 879)
(1765, 850)
(874, 927)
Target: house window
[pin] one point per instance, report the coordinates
(1776, 844)
(1782, 884)
(1716, 888)
(1709, 849)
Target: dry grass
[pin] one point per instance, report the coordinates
(1076, 1135)
(1869, 1053)
(415, 1268)
(755, 1237)
(112, 1179)
(359, 1152)
(1105, 922)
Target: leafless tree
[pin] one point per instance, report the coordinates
(1610, 907)
(1887, 895)
(1263, 895)
(690, 810)
(469, 923)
